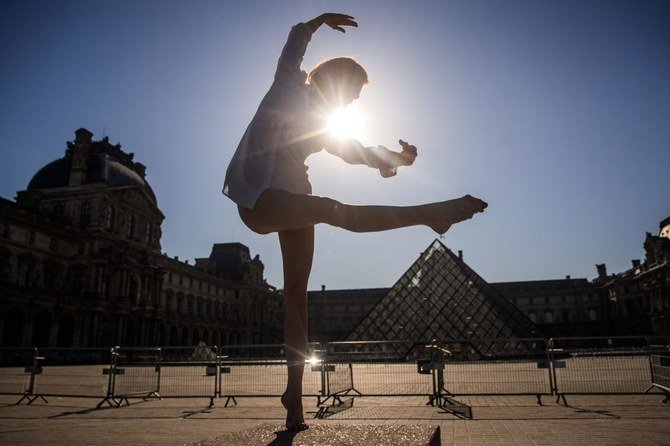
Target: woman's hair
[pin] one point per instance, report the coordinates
(336, 69)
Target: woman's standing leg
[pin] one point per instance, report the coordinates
(297, 248)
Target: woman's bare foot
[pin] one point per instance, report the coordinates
(295, 420)
(442, 215)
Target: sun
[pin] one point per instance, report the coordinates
(347, 122)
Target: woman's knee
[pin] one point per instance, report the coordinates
(251, 220)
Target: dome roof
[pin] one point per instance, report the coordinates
(102, 167)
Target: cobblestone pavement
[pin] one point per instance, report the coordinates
(588, 420)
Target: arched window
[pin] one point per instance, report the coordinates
(109, 221)
(26, 270)
(132, 290)
(58, 213)
(85, 215)
(130, 226)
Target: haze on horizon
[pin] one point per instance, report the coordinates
(555, 113)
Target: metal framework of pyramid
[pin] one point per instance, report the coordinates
(440, 297)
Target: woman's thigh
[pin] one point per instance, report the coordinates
(283, 211)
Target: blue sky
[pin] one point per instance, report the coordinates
(554, 112)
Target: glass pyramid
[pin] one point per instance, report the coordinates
(442, 298)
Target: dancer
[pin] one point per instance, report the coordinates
(267, 179)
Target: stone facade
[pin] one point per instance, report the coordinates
(333, 314)
(562, 307)
(80, 265)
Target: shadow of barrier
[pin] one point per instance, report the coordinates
(260, 371)
(602, 365)
(439, 370)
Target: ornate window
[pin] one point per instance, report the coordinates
(52, 274)
(130, 226)
(30, 237)
(85, 215)
(109, 221)
(148, 234)
(58, 213)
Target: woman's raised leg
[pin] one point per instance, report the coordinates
(297, 248)
(278, 210)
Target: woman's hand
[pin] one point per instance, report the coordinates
(334, 20)
(408, 154)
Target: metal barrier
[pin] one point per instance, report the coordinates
(137, 373)
(439, 370)
(72, 372)
(660, 375)
(17, 372)
(518, 367)
(260, 371)
(376, 368)
(187, 372)
(600, 365)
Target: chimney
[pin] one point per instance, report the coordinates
(323, 287)
(460, 255)
(602, 271)
(82, 147)
(636, 263)
(567, 277)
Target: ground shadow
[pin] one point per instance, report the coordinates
(284, 438)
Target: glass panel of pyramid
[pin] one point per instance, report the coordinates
(440, 297)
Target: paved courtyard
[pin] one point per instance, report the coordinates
(592, 420)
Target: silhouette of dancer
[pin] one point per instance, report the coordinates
(267, 179)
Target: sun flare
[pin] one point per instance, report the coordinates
(347, 123)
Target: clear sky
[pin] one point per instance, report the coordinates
(557, 113)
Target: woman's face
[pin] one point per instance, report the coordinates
(350, 91)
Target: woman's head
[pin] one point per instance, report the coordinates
(338, 81)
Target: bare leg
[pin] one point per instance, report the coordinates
(297, 248)
(279, 210)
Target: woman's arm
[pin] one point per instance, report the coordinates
(300, 35)
(387, 161)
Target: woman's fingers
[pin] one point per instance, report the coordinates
(337, 21)
(406, 147)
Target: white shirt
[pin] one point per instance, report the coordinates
(284, 131)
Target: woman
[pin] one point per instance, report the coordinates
(267, 179)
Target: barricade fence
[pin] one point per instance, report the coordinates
(601, 365)
(660, 374)
(260, 371)
(432, 368)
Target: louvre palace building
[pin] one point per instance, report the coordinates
(81, 265)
